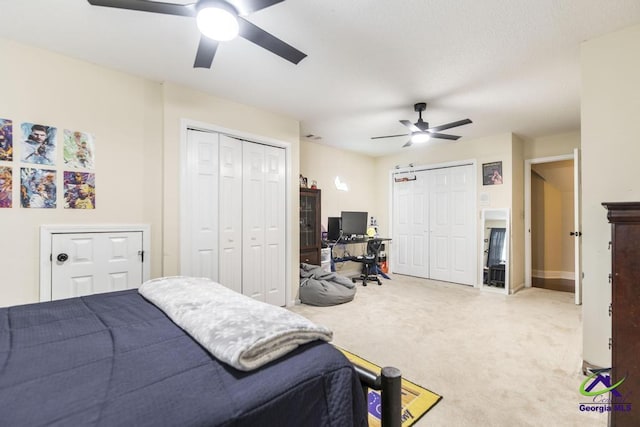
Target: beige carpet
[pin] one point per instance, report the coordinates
(497, 360)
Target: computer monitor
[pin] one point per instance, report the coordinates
(333, 228)
(354, 223)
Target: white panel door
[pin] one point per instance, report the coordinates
(203, 205)
(440, 224)
(463, 228)
(89, 263)
(411, 227)
(253, 214)
(274, 225)
(452, 225)
(230, 229)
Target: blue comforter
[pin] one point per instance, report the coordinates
(115, 359)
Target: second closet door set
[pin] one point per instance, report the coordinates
(434, 230)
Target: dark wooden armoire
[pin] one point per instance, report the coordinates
(310, 228)
(625, 309)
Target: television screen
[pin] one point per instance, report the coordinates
(354, 223)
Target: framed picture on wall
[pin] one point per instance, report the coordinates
(492, 173)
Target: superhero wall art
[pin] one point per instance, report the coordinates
(6, 140)
(38, 144)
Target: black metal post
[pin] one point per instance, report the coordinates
(391, 382)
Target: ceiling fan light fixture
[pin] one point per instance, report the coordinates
(218, 21)
(420, 137)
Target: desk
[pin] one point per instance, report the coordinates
(369, 259)
(365, 240)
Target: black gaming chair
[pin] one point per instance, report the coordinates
(369, 263)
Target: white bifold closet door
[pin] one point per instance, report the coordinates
(434, 225)
(263, 223)
(237, 214)
(411, 226)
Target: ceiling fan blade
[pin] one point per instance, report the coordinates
(246, 7)
(450, 125)
(388, 136)
(443, 136)
(411, 126)
(407, 144)
(273, 44)
(206, 51)
(149, 6)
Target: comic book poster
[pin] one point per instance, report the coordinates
(79, 190)
(78, 150)
(6, 140)
(38, 144)
(37, 188)
(6, 187)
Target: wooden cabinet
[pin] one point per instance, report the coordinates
(625, 308)
(310, 232)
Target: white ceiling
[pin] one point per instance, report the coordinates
(508, 65)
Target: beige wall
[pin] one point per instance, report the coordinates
(553, 227)
(610, 109)
(323, 163)
(553, 145)
(538, 231)
(136, 124)
(124, 113)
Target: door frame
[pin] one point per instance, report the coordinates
(46, 236)
(527, 217)
(185, 125)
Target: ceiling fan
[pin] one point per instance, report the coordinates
(420, 130)
(217, 20)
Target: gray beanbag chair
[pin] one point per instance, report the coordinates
(322, 288)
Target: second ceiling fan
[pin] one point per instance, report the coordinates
(420, 130)
(218, 21)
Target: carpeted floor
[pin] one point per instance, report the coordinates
(497, 360)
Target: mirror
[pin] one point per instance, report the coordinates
(495, 250)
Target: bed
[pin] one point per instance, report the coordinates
(117, 359)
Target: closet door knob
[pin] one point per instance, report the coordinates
(62, 257)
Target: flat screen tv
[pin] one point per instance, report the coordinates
(354, 223)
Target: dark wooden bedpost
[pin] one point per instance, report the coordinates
(391, 379)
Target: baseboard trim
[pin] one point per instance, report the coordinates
(548, 274)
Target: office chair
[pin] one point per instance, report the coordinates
(369, 263)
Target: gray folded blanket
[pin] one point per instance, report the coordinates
(234, 328)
